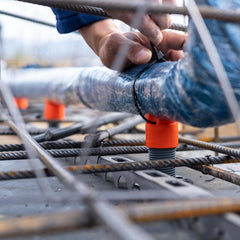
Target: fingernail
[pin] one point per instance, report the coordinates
(143, 55)
(159, 38)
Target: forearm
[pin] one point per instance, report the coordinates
(95, 33)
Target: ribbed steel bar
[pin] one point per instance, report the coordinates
(104, 212)
(126, 125)
(181, 209)
(62, 153)
(154, 164)
(48, 223)
(45, 145)
(69, 144)
(210, 146)
(89, 126)
(151, 7)
(7, 131)
(139, 213)
(88, 10)
(185, 147)
(219, 173)
(123, 142)
(222, 139)
(61, 149)
(126, 166)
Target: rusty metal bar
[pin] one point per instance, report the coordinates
(172, 210)
(123, 166)
(138, 213)
(219, 173)
(211, 146)
(46, 224)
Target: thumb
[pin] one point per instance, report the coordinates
(138, 54)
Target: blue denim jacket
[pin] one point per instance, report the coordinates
(68, 21)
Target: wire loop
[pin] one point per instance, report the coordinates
(159, 58)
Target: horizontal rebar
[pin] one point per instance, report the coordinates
(63, 153)
(137, 212)
(154, 164)
(172, 210)
(221, 139)
(8, 131)
(150, 7)
(125, 166)
(88, 10)
(48, 223)
(45, 145)
(210, 146)
(219, 173)
(67, 144)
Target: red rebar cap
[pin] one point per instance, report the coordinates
(163, 134)
(54, 111)
(21, 103)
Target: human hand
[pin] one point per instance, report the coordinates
(139, 48)
(172, 44)
(106, 39)
(150, 25)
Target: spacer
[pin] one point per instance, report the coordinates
(21, 103)
(163, 134)
(54, 111)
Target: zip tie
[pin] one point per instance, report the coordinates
(160, 58)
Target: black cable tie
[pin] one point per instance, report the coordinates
(159, 58)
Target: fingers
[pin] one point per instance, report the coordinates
(138, 52)
(150, 29)
(173, 55)
(150, 26)
(163, 21)
(172, 40)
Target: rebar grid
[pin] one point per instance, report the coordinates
(138, 213)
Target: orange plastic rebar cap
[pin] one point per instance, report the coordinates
(163, 134)
(54, 111)
(21, 103)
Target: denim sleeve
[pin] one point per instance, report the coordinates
(68, 21)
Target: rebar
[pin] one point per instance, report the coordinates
(172, 210)
(221, 139)
(46, 224)
(151, 7)
(69, 144)
(63, 153)
(139, 213)
(123, 142)
(154, 164)
(45, 145)
(211, 146)
(88, 10)
(126, 125)
(104, 212)
(219, 173)
(126, 166)
(81, 127)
